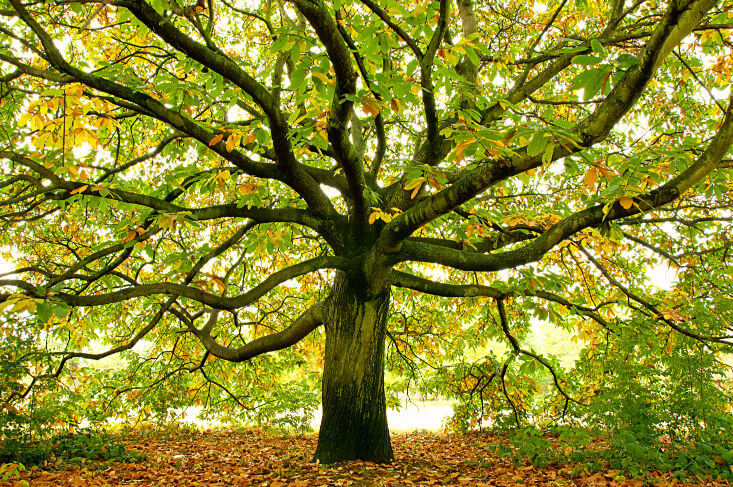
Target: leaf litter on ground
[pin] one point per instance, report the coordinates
(258, 457)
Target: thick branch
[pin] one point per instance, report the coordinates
(294, 174)
(341, 106)
(288, 170)
(595, 128)
(396, 28)
(183, 290)
(707, 162)
(466, 68)
(416, 283)
(426, 81)
(232, 210)
(311, 319)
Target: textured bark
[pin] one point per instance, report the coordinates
(354, 424)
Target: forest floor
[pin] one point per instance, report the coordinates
(257, 457)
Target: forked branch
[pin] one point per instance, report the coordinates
(311, 319)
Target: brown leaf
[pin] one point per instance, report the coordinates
(369, 108)
(132, 234)
(216, 140)
(395, 105)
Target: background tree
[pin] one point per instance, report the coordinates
(194, 185)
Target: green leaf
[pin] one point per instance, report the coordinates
(44, 311)
(536, 144)
(625, 61)
(472, 56)
(597, 47)
(586, 60)
(61, 310)
(297, 78)
(548, 153)
(590, 81)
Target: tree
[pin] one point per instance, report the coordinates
(211, 182)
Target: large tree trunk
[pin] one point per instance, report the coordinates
(354, 424)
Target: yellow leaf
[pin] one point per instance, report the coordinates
(25, 305)
(75, 90)
(219, 284)
(216, 140)
(87, 136)
(414, 183)
(373, 217)
(168, 220)
(590, 179)
(707, 35)
(260, 246)
(80, 189)
(458, 49)
(24, 119)
(451, 58)
(320, 76)
(233, 141)
(461, 148)
(606, 172)
(247, 188)
(607, 208)
(498, 143)
(414, 192)
(626, 202)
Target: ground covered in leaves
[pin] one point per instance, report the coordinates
(261, 458)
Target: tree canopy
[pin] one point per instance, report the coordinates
(192, 186)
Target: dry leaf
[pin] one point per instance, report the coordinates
(216, 140)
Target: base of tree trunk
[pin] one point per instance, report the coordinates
(345, 439)
(354, 424)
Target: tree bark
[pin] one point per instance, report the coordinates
(354, 423)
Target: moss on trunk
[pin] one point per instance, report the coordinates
(354, 424)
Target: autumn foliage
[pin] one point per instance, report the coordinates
(256, 457)
(259, 208)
